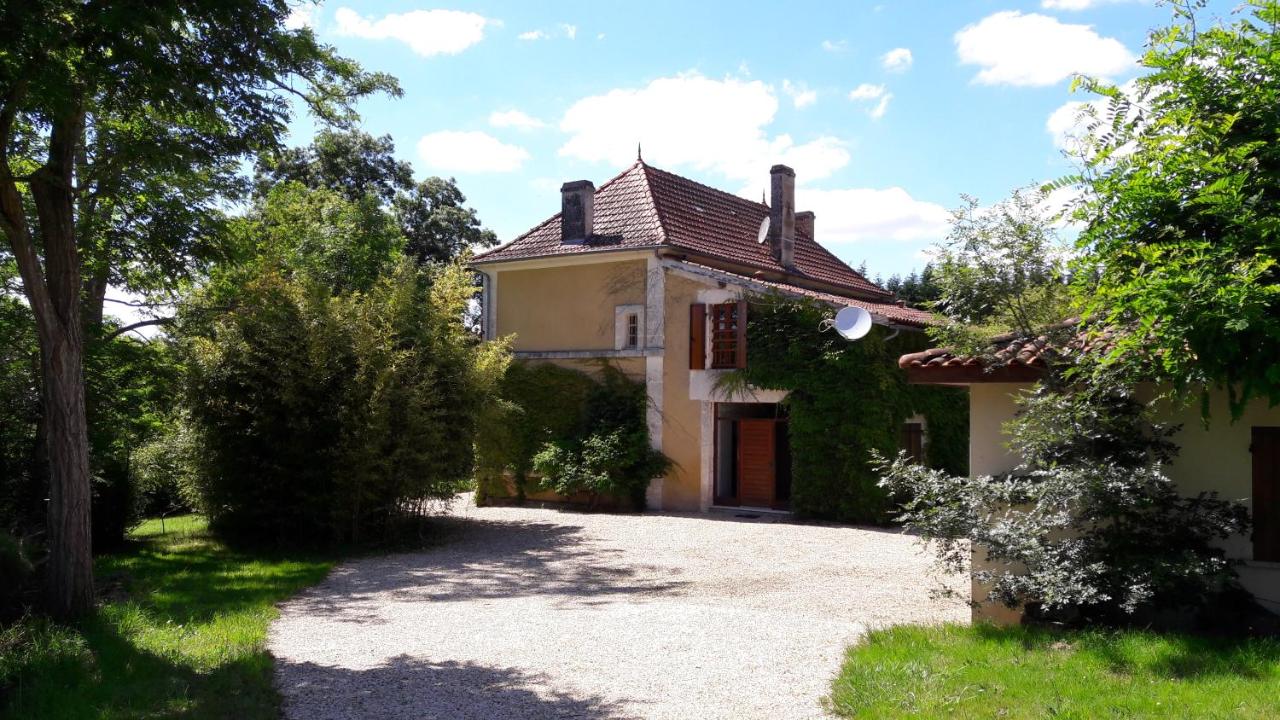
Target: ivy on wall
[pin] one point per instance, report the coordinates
(846, 399)
(583, 434)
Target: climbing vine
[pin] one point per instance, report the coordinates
(846, 399)
(578, 434)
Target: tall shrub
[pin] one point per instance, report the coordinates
(322, 418)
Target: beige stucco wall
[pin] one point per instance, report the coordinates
(681, 416)
(1212, 458)
(565, 308)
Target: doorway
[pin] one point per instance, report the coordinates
(752, 456)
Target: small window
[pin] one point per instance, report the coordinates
(633, 331)
(628, 327)
(913, 441)
(728, 346)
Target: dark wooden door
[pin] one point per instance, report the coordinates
(757, 480)
(1266, 493)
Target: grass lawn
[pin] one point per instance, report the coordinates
(982, 671)
(180, 634)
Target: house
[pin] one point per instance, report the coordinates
(649, 271)
(1239, 460)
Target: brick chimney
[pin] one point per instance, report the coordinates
(577, 210)
(804, 223)
(782, 214)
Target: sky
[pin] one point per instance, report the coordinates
(888, 111)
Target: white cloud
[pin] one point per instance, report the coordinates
(302, 15)
(881, 107)
(426, 32)
(861, 214)
(1032, 49)
(564, 30)
(897, 60)
(799, 93)
(515, 119)
(694, 121)
(835, 45)
(866, 92)
(1076, 4)
(469, 151)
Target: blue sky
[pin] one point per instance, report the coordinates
(887, 110)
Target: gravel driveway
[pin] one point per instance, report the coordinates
(533, 613)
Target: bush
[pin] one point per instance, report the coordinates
(579, 434)
(164, 470)
(322, 419)
(1089, 528)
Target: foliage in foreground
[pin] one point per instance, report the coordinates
(1088, 527)
(1021, 672)
(181, 634)
(321, 418)
(1182, 217)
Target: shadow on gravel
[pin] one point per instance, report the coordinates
(407, 688)
(482, 559)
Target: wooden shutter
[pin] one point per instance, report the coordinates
(740, 359)
(697, 336)
(1266, 493)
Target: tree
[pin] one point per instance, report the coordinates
(95, 91)
(1001, 270)
(431, 214)
(1181, 180)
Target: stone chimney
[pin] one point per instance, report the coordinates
(782, 214)
(804, 224)
(577, 210)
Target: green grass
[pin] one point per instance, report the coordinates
(179, 633)
(987, 672)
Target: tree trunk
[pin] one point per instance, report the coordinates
(53, 291)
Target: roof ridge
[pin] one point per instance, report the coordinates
(645, 169)
(707, 187)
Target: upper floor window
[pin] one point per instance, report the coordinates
(728, 330)
(628, 327)
(633, 331)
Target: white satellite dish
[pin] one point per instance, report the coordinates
(764, 230)
(853, 323)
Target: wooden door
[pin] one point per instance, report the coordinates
(1266, 493)
(757, 480)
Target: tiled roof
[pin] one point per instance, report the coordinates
(646, 207)
(891, 311)
(1012, 358)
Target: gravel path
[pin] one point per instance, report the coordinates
(532, 613)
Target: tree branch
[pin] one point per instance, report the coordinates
(134, 326)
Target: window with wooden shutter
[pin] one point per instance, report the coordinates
(728, 335)
(697, 336)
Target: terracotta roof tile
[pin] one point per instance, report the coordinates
(646, 207)
(888, 310)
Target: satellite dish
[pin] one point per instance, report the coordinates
(853, 323)
(764, 230)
